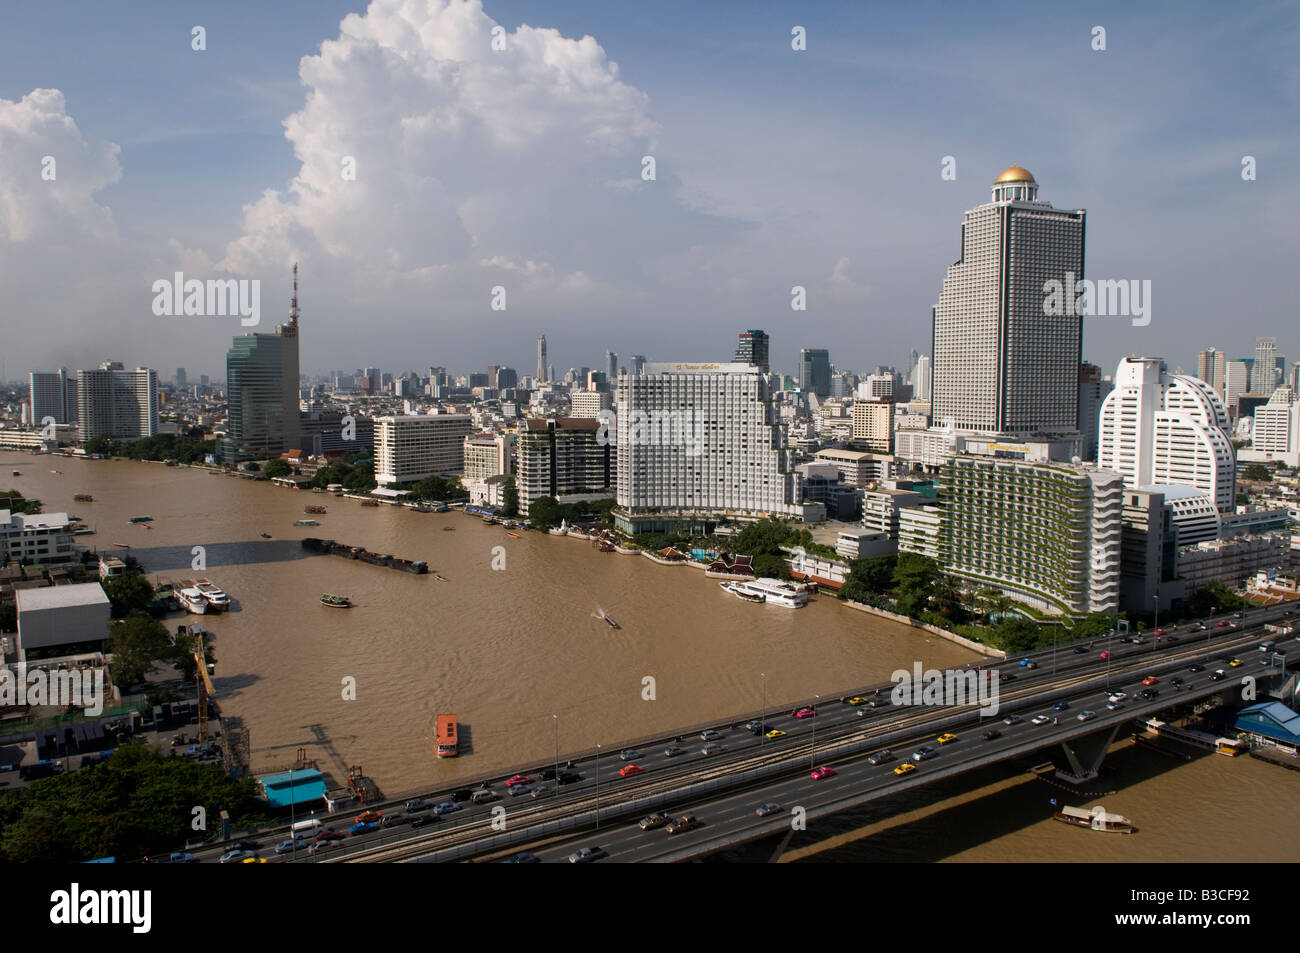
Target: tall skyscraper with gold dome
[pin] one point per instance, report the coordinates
(1000, 364)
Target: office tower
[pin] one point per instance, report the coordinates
(1211, 367)
(1276, 435)
(1236, 381)
(478, 380)
(563, 457)
(53, 395)
(921, 378)
(1159, 429)
(1263, 377)
(203, 380)
(873, 425)
(1047, 533)
(697, 442)
(1002, 365)
(815, 371)
(410, 448)
(752, 349)
(638, 363)
(322, 432)
(596, 380)
(181, 379)
(1093, 388)
(492, 371)
(262, 392)
(611, 367)
(912, 358)
(542, 366)
(586, 404)
(115, 402)
(507, 377)
(372, 380)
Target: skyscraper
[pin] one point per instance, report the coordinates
(181, 379)
(638, 364)
(753, 349)
(1001, 364)
(1093, 388)
(611, 368)
(541, 359)
(54, 395)
(815, 371)
(262, 392)
(921, 378)
(1211, 367)
(1263, 376)
(115, 402)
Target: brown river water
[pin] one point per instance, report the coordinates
(508, 649)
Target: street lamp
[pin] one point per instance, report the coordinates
(762, 717)
(812, 755)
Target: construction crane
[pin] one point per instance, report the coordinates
(203, 682)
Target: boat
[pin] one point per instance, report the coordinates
(335, 602)
(1097, 819)
(83, 531)
(265, 535)
(747, 596)
(81, 497)
(368, 503)
(449, 529)
(440, 577)
(600, 614)
(314, 508)
(140, 519)
(17, 473)
(445, 735)
(513, 535)
(192, 600)
(217, 599)
(305, 523)
(773, 591)
(122, 545)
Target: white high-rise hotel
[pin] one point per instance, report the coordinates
(699, 441)
(1158, 429)
(1000, 364)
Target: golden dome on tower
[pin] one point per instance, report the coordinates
(1014, 174)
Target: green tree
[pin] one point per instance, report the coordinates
(1016, 634)
(770, 566)
(277, 468)
(868, 577)
(136, 643)
(509, 499)
(182, 654)
(8, 617)
(1258, 471)
(545, 512)
(914, 577)
(127, 592)
(361, 479)
(1093, 625)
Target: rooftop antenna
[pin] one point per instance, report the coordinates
(293, 304)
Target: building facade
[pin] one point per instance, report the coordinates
(488, 455)
(410, 448)
(115, 402)
(753, 349)
(564, 457)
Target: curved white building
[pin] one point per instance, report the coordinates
(1167, 429)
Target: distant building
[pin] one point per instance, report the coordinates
(1276, 434)
(815, 371)
(564, 457)
(873, 425)
(542, 367)
(1093, 388)
(1212, 367)
(115, 402)
(857, 468)
(329, 433)
(409, 449)
(589, 403)
(54, 395)
(752, 349)
(40, 538)
(488, 455)
(262, 392)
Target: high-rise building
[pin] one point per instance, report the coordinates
(115, 402)
(921, 378)
(54, 395)
(638, 363)
(262, 392)
(1293, 380)
(815, 371)
(542, 366)
(873, 425)
(877, 387)
(1211, 367)
(1263, 376)
(611, 367)
(1159, 429)
(507, 377)
(563, 457)
(586, 404)
(1093, 388)
(488, 455)
(1276, 434)
(753, 349)
(410, 448)
(181, 379)
(1236, 381)
(697, 442)
(1001, 364)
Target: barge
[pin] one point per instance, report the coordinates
(333, 548)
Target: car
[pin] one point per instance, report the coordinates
(249, 845)
(881, 757)
(363, 827)
(1117, 696)
(1150, 693)
(774, 734)
(569, 777)
(1032, 665)
(394, 820)
(1114, 706)
(683, 822)
(629, 754)
(1150, 680)
(1086, 715)
(416, 804)
(630, 769)
(519, 790)
(708, 750)
(584, 855)
(446, 807)
(947, 738)
(1158, 632)
(1196, 668)
(905, 768)
(1218, 675)
(319, 846)
(1024, 663)
(547, 774)
(1235, 663)
(1267, 646)
(328, 835)
(1009, 677)
(1061, 706)
(861, 713)
(524, 857)
(1104, 655)
(1221, 625)
(181, 857)
(423, 819)
(1040, 719)
(754, 727)
(710, 735)
(923, 752)
(370, 817)
(519, 779)
(1137, 640)
(858, 700)
(1078, 650)
(253, 860)
(819, 774)
(673, 751)
(991, 734)
(540, 790)
(804, 712)
(483, 796)
(1175, 681)
(651, 821)
(766, 810)
(877, 703)
(1012, 720)
(464, 794)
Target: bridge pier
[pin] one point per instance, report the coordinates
(1085, 756)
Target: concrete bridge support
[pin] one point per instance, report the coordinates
(1083, 756)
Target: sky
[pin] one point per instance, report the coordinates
(411, 169)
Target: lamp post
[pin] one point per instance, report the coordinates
(762, 718)
(812, 755)
(598, 786)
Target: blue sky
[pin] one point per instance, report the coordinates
(775, 168)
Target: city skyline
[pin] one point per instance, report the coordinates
(706, 248)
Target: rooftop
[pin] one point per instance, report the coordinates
(61, 597)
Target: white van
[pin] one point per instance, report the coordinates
(305, 827)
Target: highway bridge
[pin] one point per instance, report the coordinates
(725, 789)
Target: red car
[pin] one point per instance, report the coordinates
(804, 712)
(1221, 625)
(1104, 655)
(518, 779)
(630, 769)
(370, 817)
(328, 835)
(820, 773)
(1150, 680)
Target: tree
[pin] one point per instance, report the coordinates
(868, 577)
(772, 567)
(8, 617)
(1257, 471)
(1093, 625)
(1016, 634)
(544, 512)
(136, 643)
(509, 499)
(127, 593)
(182, 654)
(914, 576)
(277, 468)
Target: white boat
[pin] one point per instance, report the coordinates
(1098, 819)
(773, 591)
(734, 589)
(216, 598)
(191, 600)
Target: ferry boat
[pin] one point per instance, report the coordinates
(335, 602)
(140, 519)
(81, 497)
(217, 599)
(734, 589)
(773, 591)
(192, 600)
(305, 523)
(1097, 819)
(445, 733)
(17, 473)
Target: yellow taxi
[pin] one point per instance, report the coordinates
(946, 738)
(905, 768)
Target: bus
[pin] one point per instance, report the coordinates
(446, 736)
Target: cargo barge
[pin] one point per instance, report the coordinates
(334, 548)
